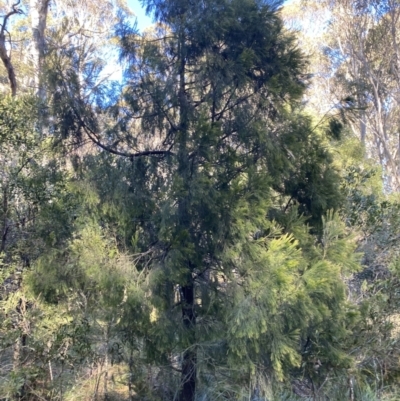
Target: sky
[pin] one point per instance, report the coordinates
(143, 20)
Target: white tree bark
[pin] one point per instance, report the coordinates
(38, 11)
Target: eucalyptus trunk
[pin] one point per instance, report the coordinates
(38, 10)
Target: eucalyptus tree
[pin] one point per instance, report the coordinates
(358, 52)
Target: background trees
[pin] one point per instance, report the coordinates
(356, 55)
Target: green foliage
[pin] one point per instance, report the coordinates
(286, 290)
(303, 170)
(208, 247)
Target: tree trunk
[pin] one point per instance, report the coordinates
(363, 119)
(4, 228)
(38, 10)
(130, 382)
(4, 55)
(351, 387)
(106, 364)
(19, 346)
(188, 386)
(6, 59)
(189, 362)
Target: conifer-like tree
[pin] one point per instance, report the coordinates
(207, 118)
(208, 86)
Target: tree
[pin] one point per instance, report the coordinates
(202, 89)
(207, 119)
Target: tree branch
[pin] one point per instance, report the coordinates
(93, 136)
(13, 11)
(94, 139)
(6, 58)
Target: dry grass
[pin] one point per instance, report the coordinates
(91, 386)
(394, 319)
